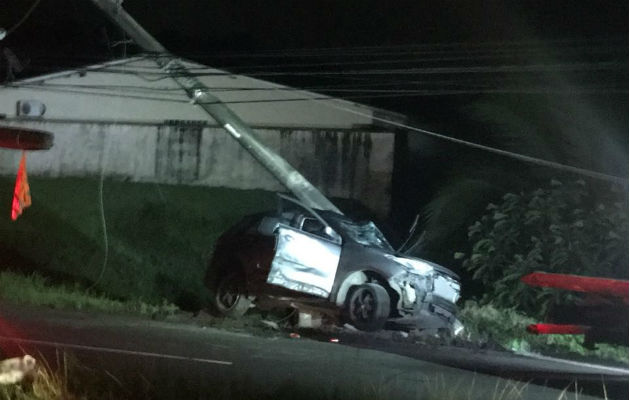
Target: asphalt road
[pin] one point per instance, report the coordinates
(184, 360)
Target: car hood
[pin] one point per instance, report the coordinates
(420, 265)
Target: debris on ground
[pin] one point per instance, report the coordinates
(14, 370)
(318, 327)
(270, 324)
(310, 320)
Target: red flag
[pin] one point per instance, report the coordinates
(21, 193)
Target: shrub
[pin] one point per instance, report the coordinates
(506, 327)
(563, 228)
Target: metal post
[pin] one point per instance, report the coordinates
(295, 182)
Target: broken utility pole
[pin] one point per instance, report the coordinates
(201, 96)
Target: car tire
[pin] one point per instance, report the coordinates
(230, 299)
(367, 307)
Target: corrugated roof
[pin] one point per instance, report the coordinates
(136, 89)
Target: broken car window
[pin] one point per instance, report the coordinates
(366, 234)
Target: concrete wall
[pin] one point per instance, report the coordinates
(342, 163)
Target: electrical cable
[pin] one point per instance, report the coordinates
(389, 61)
(419, 93)
(330, 102)
(242, 69)
(455, 88)
(509, 154)
(24, 18)
(414, 49)
(383, 58)
(493, 44)
(485, 69)
(103, 220)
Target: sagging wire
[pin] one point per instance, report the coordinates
(333, 103)
(101, 203)
(24, 18)
(323, 98)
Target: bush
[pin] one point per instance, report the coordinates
(507, 327)
(35, 290)
(563, 228)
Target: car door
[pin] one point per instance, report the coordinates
(304, 262)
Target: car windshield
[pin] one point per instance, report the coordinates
(365, 233)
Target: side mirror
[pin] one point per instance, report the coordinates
(334, 236)
(268, 225)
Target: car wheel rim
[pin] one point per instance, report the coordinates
(363, 306)
(228, 294)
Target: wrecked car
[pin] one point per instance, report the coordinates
(324, 262)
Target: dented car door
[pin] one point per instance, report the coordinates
(304, 262)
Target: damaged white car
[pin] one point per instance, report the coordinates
(324, 262)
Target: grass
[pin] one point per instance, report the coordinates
(507, 328)
(37, 291)
(66, 378)
(160, 236)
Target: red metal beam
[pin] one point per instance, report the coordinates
(577, 283)
(547, 329)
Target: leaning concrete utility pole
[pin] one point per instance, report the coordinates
(201, 96)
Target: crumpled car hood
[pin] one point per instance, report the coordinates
(419, 265)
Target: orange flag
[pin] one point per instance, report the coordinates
(21, 193)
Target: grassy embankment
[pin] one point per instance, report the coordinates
(159, 240)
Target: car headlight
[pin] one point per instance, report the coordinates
(457, 328)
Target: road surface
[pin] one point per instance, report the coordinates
(180, 360)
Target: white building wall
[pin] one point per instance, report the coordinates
(342, 163)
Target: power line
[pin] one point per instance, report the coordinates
(333, 103)
(462, 45)
(382, 58)
(505, 153)
(330, 102)
(577, 67)
(418, 93)
(422, 60)
(456, 87)
(24, 18)
(415, 49)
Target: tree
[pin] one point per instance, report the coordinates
(565, 228)
(565, 129)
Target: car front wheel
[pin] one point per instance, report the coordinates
(230, 299)
(367, 307)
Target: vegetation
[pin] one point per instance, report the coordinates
(567, 129)
(37, 291)
(506, 327)
(159, 237)
(68, 379)
(563, 228)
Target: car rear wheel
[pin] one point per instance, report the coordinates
(230, 299)
(367, 307)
